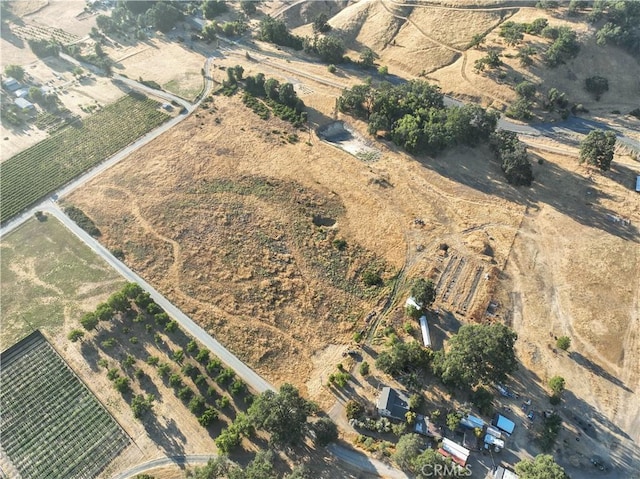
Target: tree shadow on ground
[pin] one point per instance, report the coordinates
(597, 369)
(561, 189)
(167, 436)
(90, 354)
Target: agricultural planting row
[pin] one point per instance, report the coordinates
(48, 165)
(52, 425)
(139, 344)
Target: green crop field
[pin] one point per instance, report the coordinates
(52, 426)
(46, 166)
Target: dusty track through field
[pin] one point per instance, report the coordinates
(457, 51)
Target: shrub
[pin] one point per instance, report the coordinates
(75, 335)
(596, 85)
(364, 368)
(332, 68)
(371, 278)
(196, 405)
(225, 376)
(325, 431)
(238, 387)
(185, 393)
(203, 356)
(210, 414)
(121, 384)
(354, 409)
(192, 346)
(175, 380)
(563, 342)
(140, 405)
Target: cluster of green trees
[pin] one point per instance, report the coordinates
(266, 95)
(328, 48)
(621, 23)
(540, 467)
(411, 455)
(521, 108)
(404, 358)
(414, 117)
(564, 47)
(490, 60)
(512, 154)
(513, 32)
(82, 220)
(139, 15)
(262, 466)
(283, 415)
(275, 31)
(44, 48)
(213, 8)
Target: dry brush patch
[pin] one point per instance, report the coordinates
(223, 223)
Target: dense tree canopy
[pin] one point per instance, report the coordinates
(14, 71)
(407, 449)
(541, 467)
(477, 353)
(512, 154)
(414, 117)
(596, 85)
(282, 414)
(597, 149)
(424, 292)
(403, 357)
(275, 31)
(330, 49)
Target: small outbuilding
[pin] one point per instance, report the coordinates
(472, 422)
(426, 336)
(505, 424)
(638, 183)
(427, 428)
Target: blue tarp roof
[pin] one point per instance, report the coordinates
(507, 425)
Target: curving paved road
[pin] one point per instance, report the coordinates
(190, 460)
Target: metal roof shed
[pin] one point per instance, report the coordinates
(505, 424)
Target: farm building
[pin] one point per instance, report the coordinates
(472, 422)
(424, 327)
(427, 428)
(10, 84)
(504, 424)
(502, 473)
(24, 105)
(456, 452)
(393, 404)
